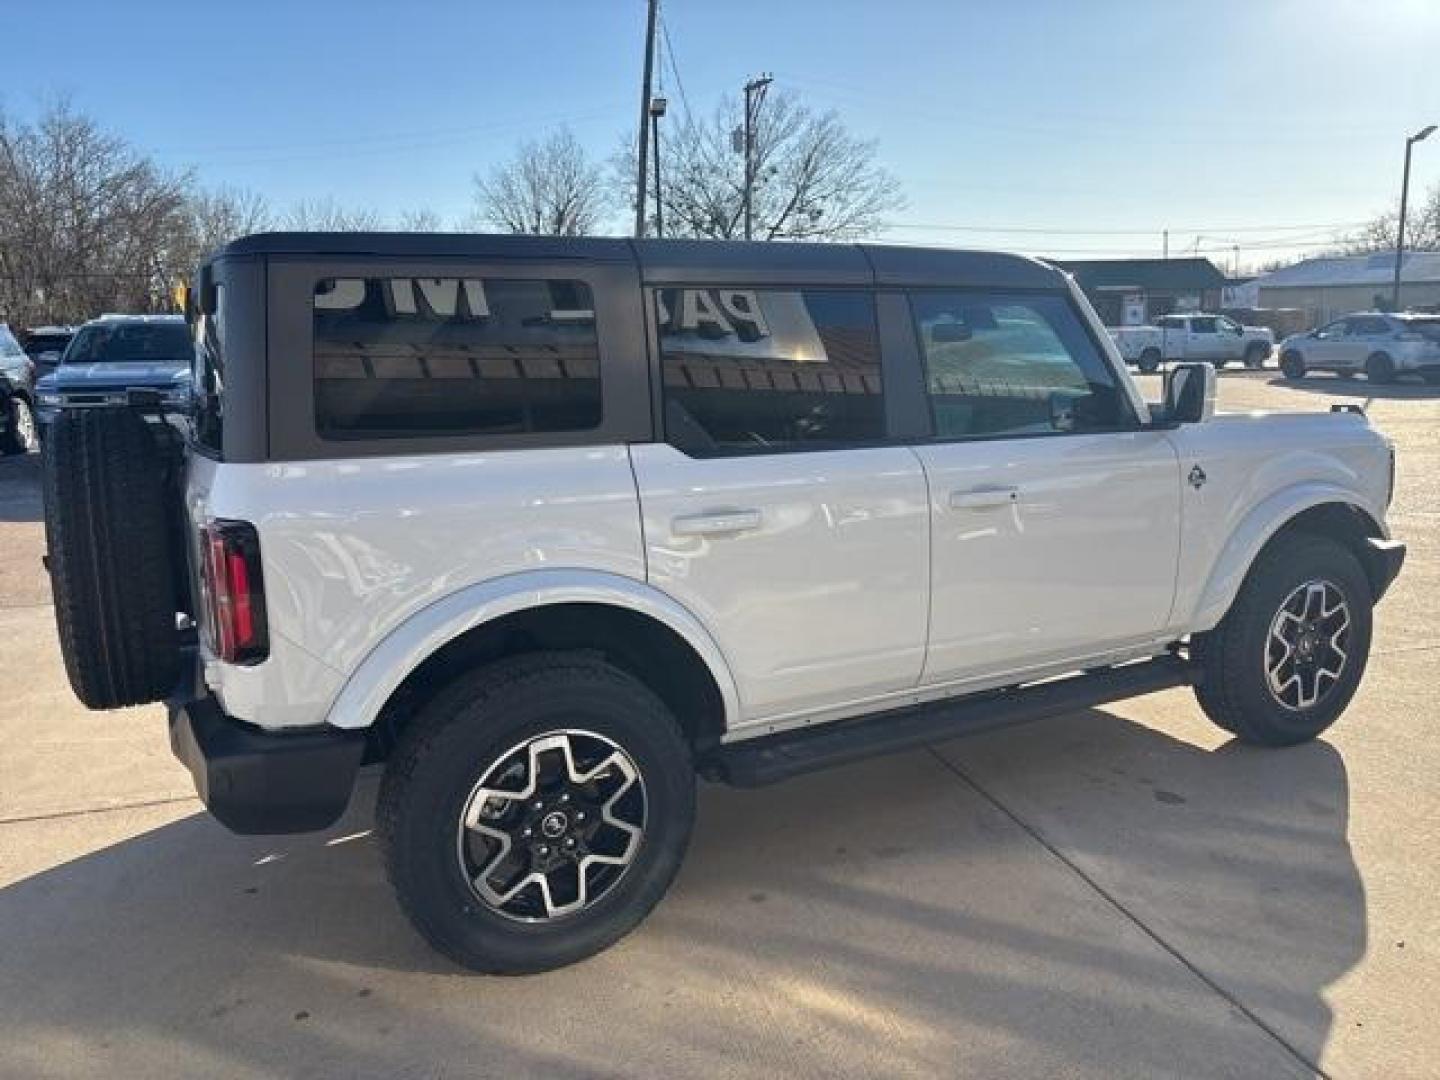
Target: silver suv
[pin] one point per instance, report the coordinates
(1382, 345)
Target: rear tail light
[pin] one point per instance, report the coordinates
(233, 591)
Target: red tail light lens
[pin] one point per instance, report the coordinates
(234, 592)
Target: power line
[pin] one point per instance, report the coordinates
(674, 67)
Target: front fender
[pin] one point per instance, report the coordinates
(386, 666)
(1253, 532)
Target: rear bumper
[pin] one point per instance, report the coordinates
(1386, 557)
(257, 782)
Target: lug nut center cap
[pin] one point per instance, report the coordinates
(554, 824)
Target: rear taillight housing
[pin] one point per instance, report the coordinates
(233, 590)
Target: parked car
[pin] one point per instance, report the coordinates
(1212, 338)
(1382, 345)
(17, 396)
(45, 344)
(545, 527)
(111, 356)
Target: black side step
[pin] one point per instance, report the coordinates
(765, 760)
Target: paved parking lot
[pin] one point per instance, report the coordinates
(1121, 892)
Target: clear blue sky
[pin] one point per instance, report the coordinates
(1224, 120)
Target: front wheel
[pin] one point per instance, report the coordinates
(1379, 368)
(1149, 361)
(1287, 658)
(535, 811)
(1255, 356)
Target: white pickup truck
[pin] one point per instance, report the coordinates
(1212, 338)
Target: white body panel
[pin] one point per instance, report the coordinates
(1049, 548)
(820, 591)
(353, 549)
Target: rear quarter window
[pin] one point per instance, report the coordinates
(407, 357)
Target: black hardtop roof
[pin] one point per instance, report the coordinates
(718, 261)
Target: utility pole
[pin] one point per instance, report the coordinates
(754, 92)
(657, 110)
(1410, 141)
(644, 142)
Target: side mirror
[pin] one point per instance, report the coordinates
(1190, 393)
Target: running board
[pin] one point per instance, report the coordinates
(768, 759)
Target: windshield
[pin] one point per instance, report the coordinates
(136, 343)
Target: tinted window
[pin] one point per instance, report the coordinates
(1171, 322)
(452, 356)
(749, 370)
(1202, 326)
(999, 365)
(1369, 326)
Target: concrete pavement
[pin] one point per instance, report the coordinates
(1115, 893)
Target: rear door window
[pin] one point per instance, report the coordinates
(765, 370)
(1012, 365)
(408, 357)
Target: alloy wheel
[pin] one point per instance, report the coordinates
(552, 825)
(1307, 647)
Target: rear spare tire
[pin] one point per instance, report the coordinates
(112, 567)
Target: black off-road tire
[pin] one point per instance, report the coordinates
(1233, 688)
(445, 752)
(1149, 361)
(1380, 369)
(111, 565)
(1292, 365)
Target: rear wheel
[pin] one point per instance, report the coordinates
(1288, 656)
(112, 569)
(1292, 365)
(20, 435)
(535, 811)
(1379, 368)
(1149, 360)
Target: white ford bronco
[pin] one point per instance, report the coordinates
(545, 528)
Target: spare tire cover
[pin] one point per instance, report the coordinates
(112, 564)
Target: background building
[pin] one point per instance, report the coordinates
(1327, 288)
(1128, 292)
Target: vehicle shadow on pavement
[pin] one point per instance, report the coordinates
(20, 484)
(883, 917)
(1361, 388)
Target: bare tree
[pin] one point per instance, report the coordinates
(551, 188)
(813, 179)
(1422, 228)
(222, 215)
(326, 215)
(86, 223)
(422, 220)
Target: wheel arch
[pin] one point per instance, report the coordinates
(637, 627)
(1316, 508)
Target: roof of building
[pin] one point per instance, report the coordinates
(1169, 275)
(1378, 269)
